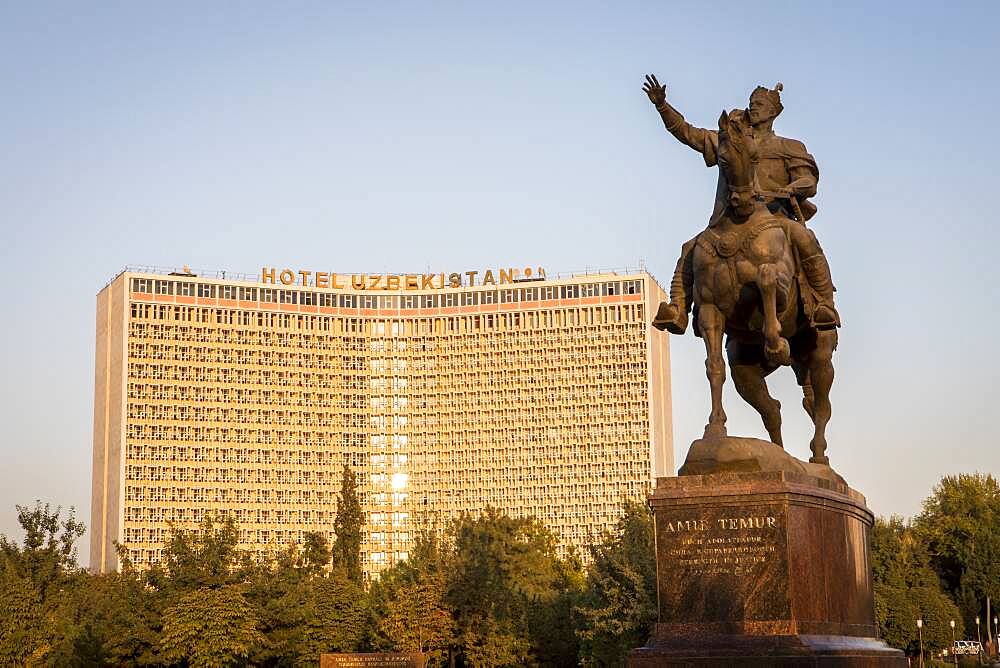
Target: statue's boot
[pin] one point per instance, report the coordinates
(817, 272)
(673, 316)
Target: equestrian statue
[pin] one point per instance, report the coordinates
(756, 273)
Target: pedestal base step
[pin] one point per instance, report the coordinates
(791, 651)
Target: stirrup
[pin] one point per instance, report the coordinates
(671, 318)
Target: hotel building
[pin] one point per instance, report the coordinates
(538, 395)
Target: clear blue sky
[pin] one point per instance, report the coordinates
(393, 137)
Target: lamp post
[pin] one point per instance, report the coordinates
(979, 638)
(920, 634)
(996, 632)
(951, 623)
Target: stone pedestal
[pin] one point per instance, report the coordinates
(763, 569)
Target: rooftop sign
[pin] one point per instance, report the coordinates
(324, 279)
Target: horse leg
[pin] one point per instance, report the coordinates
(802, 376)
(711, 322)
(775, 346)
(821, 377)
(748, 375)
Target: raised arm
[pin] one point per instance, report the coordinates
(704, 141)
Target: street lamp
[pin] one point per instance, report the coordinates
(951, 623)
(920, 633)
(996, 632)
(979, 638)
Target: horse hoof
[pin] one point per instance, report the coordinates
(715, 431)
(782, 356)
(818, 447)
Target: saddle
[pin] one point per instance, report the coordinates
(734, 243)
(728, 245)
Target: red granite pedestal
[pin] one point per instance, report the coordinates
(763, 569)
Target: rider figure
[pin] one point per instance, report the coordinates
(785, 175)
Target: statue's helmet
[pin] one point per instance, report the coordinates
(765, 103)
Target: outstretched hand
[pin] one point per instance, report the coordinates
(657, 94)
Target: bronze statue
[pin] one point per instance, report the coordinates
(756, 273)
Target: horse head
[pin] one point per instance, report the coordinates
(737, 155)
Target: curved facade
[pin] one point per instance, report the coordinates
(541, 397)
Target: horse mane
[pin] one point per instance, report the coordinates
(737, 131)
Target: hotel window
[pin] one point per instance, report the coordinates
(431, 301)
(570, 291)
(327, 299)
(507, 296)
(612, 288)
(205, 290)
(227, 292)
(185, 289)
(589, 290)
(268, 296)
(450, 299)
(409, 301)
(631, 287)
(368, 301)
(307, 298)
(489, 297)
(248, 294)
(287, 296)
(144, 285)
(164, 288)
(348, 301)
(469, 298)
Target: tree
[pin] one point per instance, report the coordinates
(906, 588)
(46, 554)
(304, 611)
(960, 526)
(408, 605)
(347, 527)
(33, 579)
(206, 557)
(24, 630)
(619, 606)
(210, 628)
(501, 569)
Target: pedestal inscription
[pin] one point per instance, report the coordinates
(719, 559)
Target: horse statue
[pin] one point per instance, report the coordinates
(747, 285)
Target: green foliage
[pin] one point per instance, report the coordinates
(303, 611)
(907, 588)
(23, 625)
(105, 619)
(34, 577)
(960, 525)
(46, 554)
(501, 570)
(619, 606)
(207, 627)
(347, 527)
(408, 603)
(203, 557)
